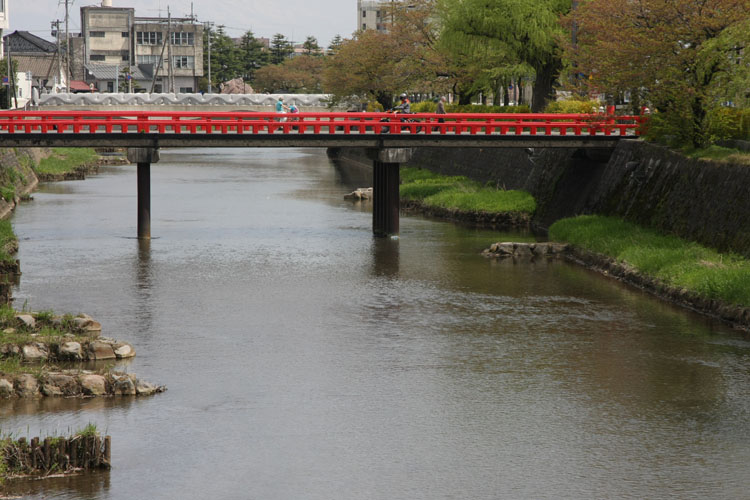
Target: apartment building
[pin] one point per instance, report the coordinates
(375, 14)
(140, 53)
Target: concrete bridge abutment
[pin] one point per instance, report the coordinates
(144, 157)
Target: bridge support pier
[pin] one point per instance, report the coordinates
(385, 203)
(144, 157)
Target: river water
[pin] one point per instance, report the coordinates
(307, 360)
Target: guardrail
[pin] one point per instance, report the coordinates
(201, 122)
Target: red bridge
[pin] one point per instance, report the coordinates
(388, 138)
(248, 129)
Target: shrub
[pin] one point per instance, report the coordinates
(573, 106)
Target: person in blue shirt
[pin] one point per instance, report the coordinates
(281, 108)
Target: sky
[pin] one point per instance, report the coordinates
(295, 19)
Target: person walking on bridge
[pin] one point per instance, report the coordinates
(281, 108)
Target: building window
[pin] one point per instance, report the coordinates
(96, 57)
(183, 62)
(2, 5)
(125, 34)
(125, 57)
(96, 34)
(182, 38)
(364, 13)
(364, 26)
(148, 60)
(186, 90)
(148, 38)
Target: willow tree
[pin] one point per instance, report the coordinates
(509, 37)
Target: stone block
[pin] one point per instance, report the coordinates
(6, 388)
(93, 385)
(27, 386)
(100, 350)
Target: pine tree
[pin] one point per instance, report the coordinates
(281, 48)
(252, 54)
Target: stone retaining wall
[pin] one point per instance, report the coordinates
(75, 383)
(698, 200)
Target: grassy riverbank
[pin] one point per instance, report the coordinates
(673, 261)
(66, 160)
(460, 193)
(8, 242)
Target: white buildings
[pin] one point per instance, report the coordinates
(375, 14)
(4, 21)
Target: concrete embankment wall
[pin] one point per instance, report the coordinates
(698, 200)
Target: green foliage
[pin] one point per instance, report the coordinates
(89, 431)
(8, 240)
(335, 45)
(460, 193)
(300, 75)
(8, 193)
(281, 49)
(226, 58)
(674, 261)
(569, 106)
(64, 160)
(511, 39)
(374, 107)
(431, 107)
(252, 55)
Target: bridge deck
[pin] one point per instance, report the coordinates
(242, 129)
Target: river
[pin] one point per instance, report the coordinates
(307, 360)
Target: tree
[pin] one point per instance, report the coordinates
(370, 66)
(301, 75)
(252, 55)
(375, 65)
(510, 38)
(335, 45)
(673, 52)
(281, 49)
(311, 46)
(226, 63)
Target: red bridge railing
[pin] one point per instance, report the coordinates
(202, 122)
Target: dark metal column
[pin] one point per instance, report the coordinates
(385, 203)
(144, 201)
(144, 157)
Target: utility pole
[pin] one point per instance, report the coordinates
(56, 27)
(170, 72)
(208, 30)
(67, 48)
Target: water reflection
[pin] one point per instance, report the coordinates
(87, 486)
(385, 257)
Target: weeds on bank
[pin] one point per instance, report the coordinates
(674, 261)
(460, 193)
(64, 160)
(8, 241)
(720, 154)
(47, 331)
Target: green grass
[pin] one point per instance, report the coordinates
(8, 240)
(64, 160)
(460, 193)
(674, 261)
(720, 154)
(45, 331)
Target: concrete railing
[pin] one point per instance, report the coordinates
(256, 102)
